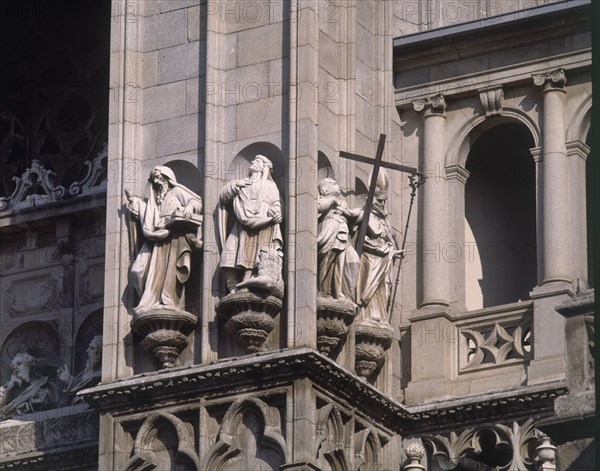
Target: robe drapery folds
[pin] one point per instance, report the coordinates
(163, 264)
(374, 283)
(338, 261)
(252, 201)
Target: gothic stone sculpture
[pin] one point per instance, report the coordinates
(338, 261)
(172, 228)
(163, 264)
(251, 257)
(89, 376)
(373, 331)
(338, 265)
(258, 210)
(26, 391)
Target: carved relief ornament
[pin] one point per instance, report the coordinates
(435, 104)
(554, 80)
(492, 99)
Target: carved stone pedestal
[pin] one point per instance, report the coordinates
(250, 318)
(333, 318)
(370, 345)
(164, 332)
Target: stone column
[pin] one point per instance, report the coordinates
(556, 256)
(431, 325)
(577, 153)
(433, 199)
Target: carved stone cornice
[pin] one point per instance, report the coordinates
(455, 172)
(492, 99)
(248, 373)
(554, 80)
(506, 405)
(431, 106)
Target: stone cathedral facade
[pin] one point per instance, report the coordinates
(296, 235)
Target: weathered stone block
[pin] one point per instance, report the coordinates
(270, 39)
(177, 135)
(179, 62)
(161, 31)
(163, 102)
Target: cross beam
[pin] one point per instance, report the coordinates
(377, 163)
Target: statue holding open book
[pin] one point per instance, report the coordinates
(171, 225)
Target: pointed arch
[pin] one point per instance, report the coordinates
(144, 456)
(367, 450)
(229, 446)
(331, 438)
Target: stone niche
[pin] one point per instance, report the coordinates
(165, 270)
(250, 313)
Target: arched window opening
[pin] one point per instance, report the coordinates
(500, 218)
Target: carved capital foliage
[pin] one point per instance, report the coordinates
(554, 80)
(414, 453)
(431, 105)
(492, 99)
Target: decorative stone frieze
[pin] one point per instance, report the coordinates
(505, 447)
(93, 178)
(492, 99)
(498, 346)
(37, 181)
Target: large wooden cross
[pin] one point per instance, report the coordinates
(377, 164)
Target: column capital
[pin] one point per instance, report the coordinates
(553, 80)
(455, 172)
(578, 149)
(433, 105)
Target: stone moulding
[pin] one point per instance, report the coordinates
(250, 318)
(237, 375)
(333, 318)
(164, 332)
